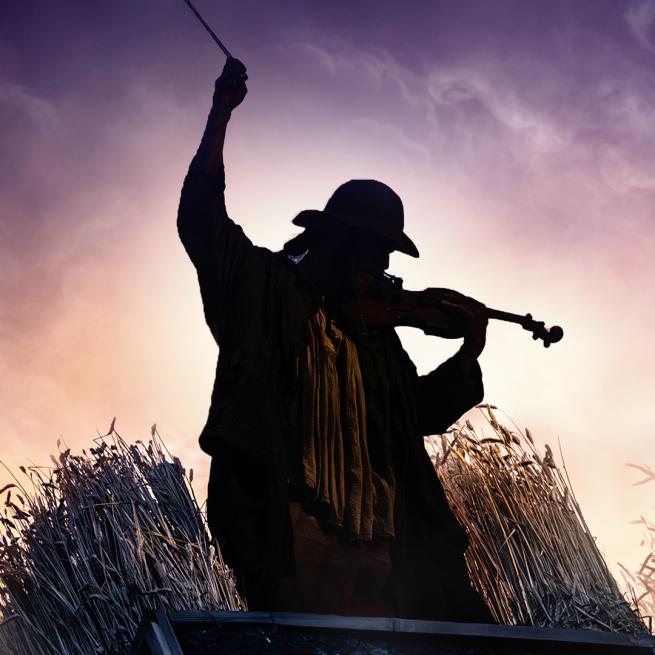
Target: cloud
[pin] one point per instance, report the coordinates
(625, 171)
(454, 86)
(445, 101)
(373, 66)
(627, 148)
(640, 18)
(17, 99)
(495, 127)
(403, 149)
(440, 89)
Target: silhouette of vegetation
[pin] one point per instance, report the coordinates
(642, 581)
(531, 555)
(87, 545)
(100, 537)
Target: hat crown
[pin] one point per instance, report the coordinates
(369, 204)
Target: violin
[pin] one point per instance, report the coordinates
(387, 303)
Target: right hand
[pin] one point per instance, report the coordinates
(230, 88)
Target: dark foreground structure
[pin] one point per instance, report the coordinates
(241, 633)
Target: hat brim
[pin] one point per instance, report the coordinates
(309, 217)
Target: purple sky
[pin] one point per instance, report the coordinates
(519, 135)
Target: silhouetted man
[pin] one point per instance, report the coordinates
(321, 494)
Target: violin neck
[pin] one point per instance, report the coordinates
(505, 316)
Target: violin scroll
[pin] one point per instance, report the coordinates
(539, 331)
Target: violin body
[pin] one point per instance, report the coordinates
(403, 307)
(387, 303)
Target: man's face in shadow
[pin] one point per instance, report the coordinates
(357, 257)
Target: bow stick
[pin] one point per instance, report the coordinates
(209, 29)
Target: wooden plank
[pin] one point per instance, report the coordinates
(155, 636)
(202, 616)
(443, 628)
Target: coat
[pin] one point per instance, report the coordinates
(260, 312)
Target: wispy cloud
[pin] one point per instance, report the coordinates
(19, 100)
(595, 137)
(640, 18)
(457, 87)
(374, 64)
(407, 151)
(375, 68)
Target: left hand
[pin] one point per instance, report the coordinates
(470, 314)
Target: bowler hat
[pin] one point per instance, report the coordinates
(367, 204)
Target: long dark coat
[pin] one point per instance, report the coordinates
(257, 308)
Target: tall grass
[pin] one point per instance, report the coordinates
(531, 554)
(88, 545)
(643, 579)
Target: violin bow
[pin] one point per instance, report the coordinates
(209, 29)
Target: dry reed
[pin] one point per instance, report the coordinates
(642, 581)
(531, 554)
(95, 541)
(105, 535)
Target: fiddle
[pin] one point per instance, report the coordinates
(387, 303)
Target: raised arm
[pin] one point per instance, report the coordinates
(201, 216)
(225, 259)
(229, 91)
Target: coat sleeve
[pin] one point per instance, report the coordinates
(230, 268)
(447, 393)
